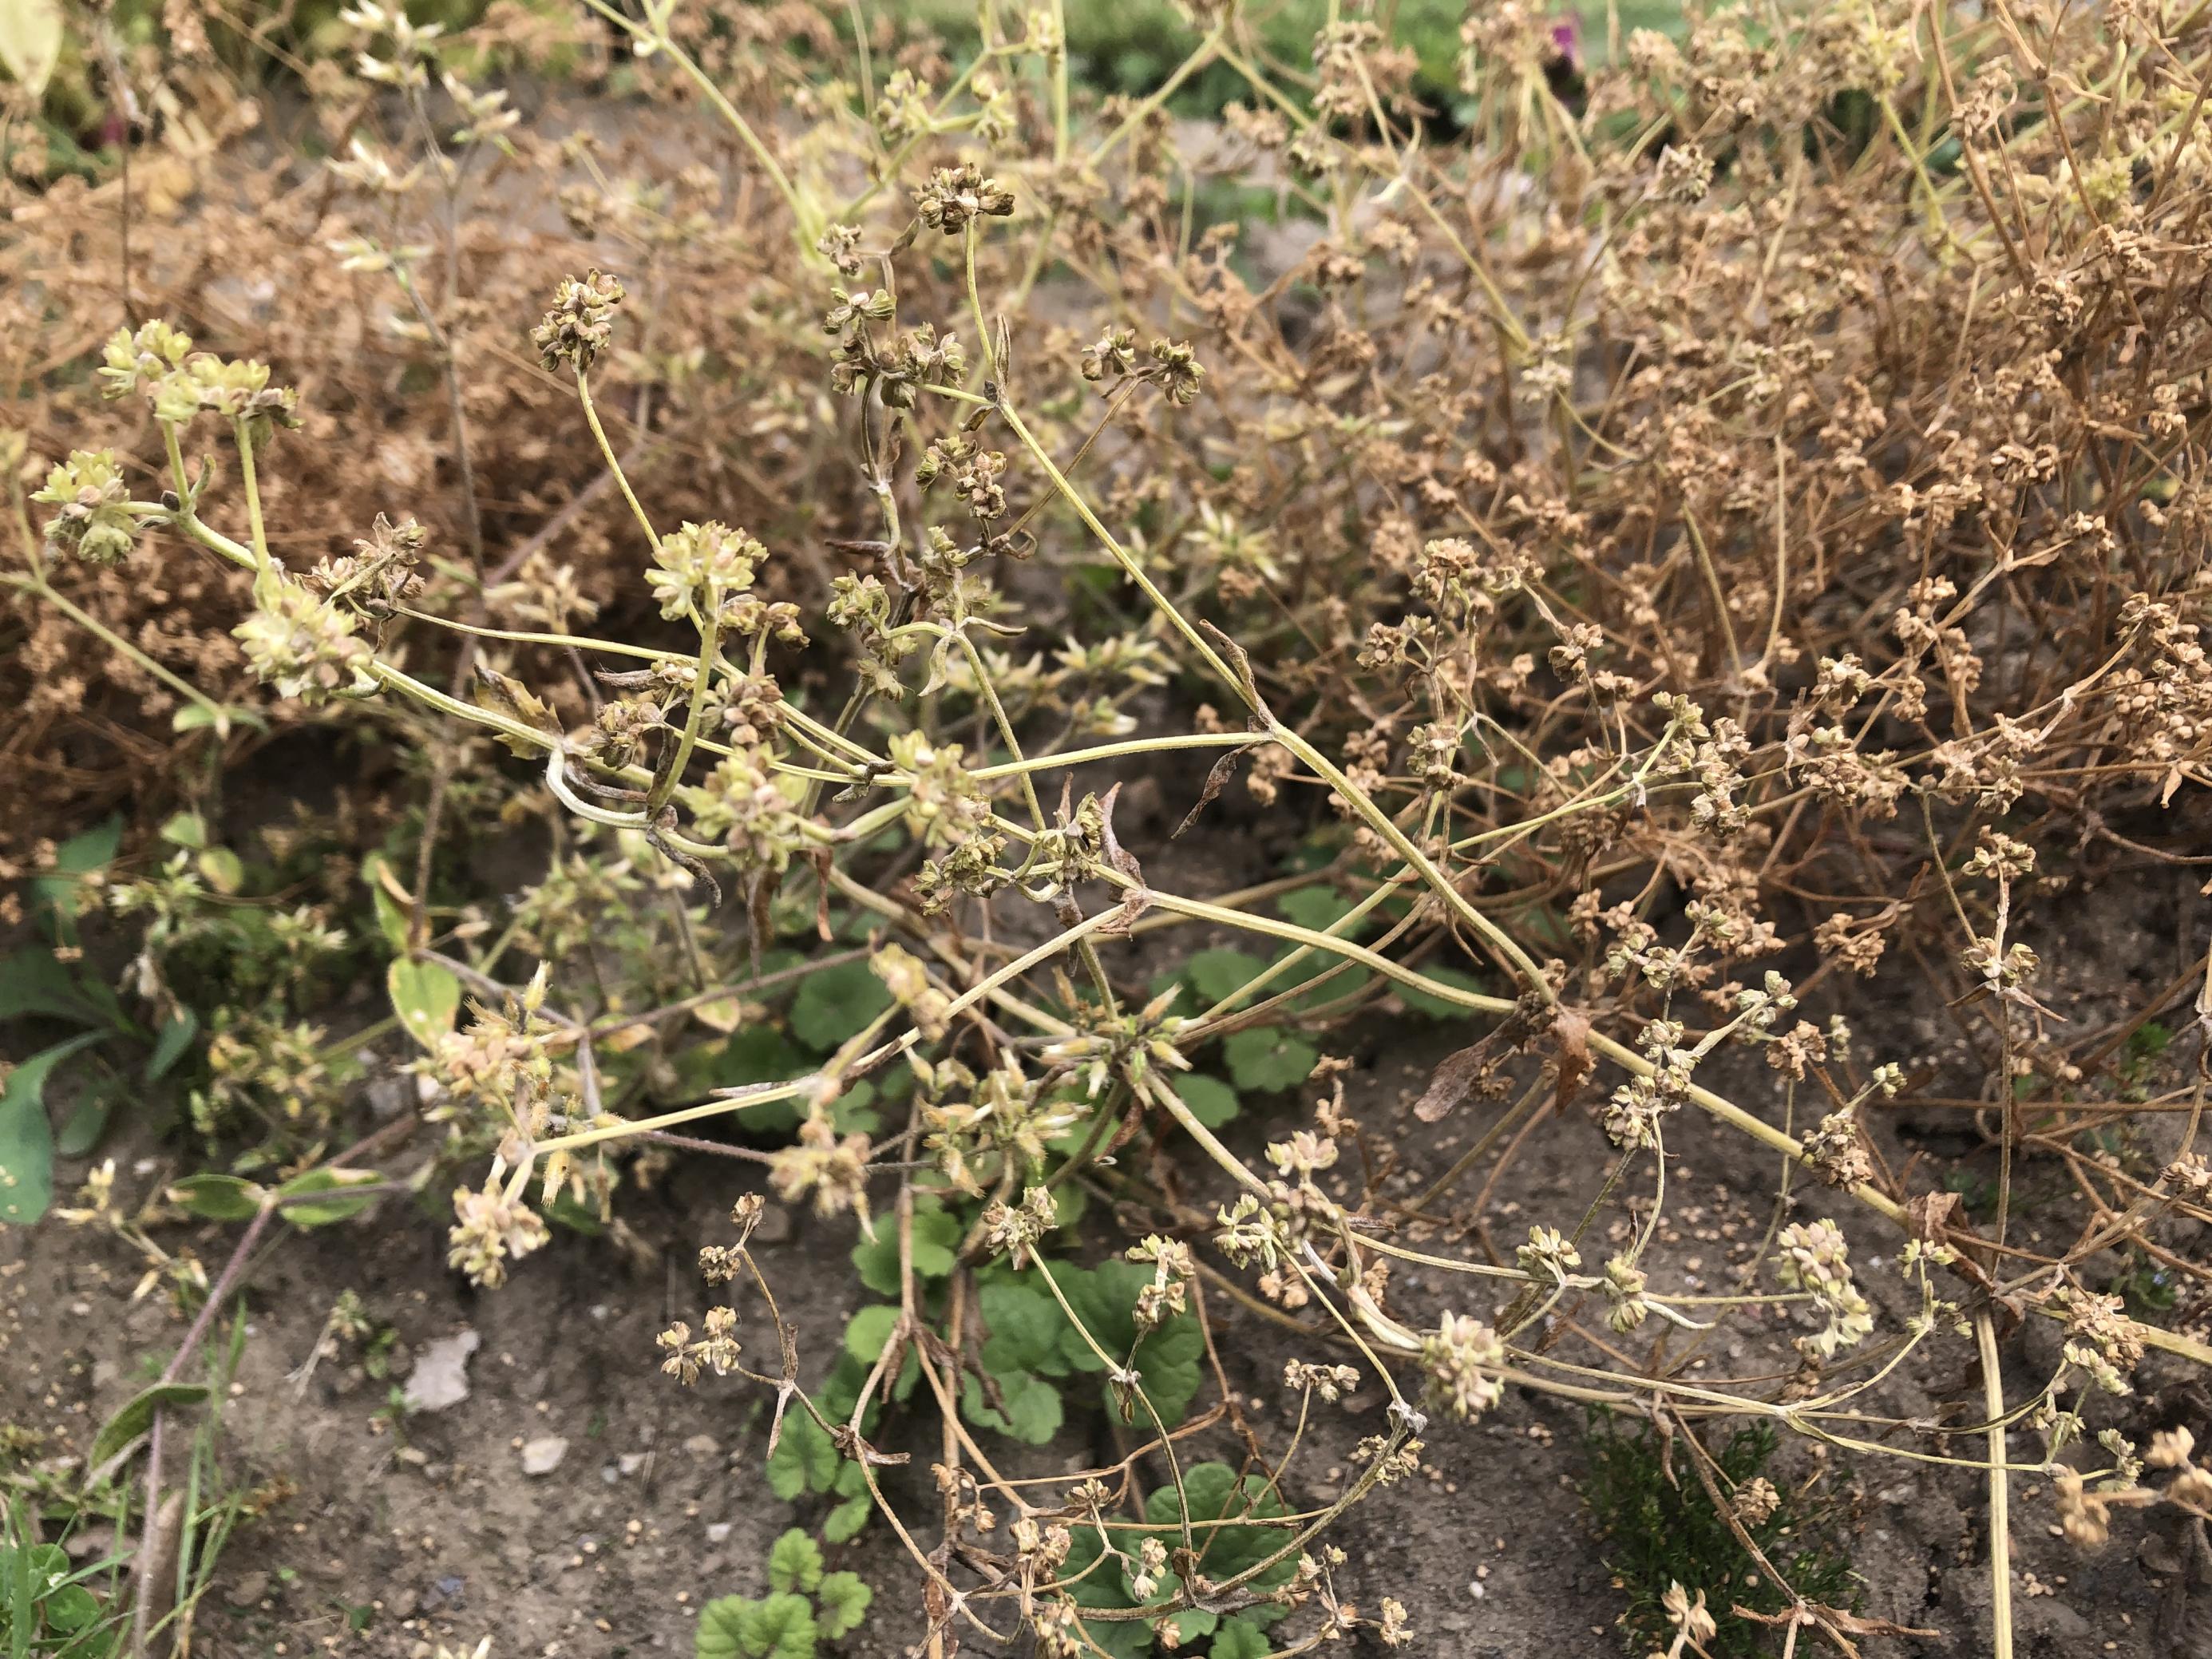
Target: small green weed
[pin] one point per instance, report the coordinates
(804, 1605)
(48, 1605)
(1660, 1529)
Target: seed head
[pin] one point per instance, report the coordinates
(579, 322)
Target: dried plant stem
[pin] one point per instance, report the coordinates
(1985, 1341)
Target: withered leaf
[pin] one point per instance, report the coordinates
(1451, 1081)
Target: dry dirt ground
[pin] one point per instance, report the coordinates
(432, 1531)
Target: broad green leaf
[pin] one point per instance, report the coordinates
(1025, 1328)
(136, 1417)
(1436, 1007)
(222, 869)
(33, 982)
(426, 996)
(70, 1609)
(1240, 1638)
(217, 1197)
(171, 1042)
(186, 830)
(1095, 1582)
(1218, 974)
(716, 1637)
(837, 1002)
(87, 1120)
(853, 1112)
(26, 1138)
(804, 1459)
(1216, 1493)
(1033, 1413)
(1167, 1361)
(1211, 1101)
(758, 1054)
(82, 854)
(782, 1627)
(563, 1210)
(794, 1562)
(1319, 908)
(338, 1208)
(869, 1330)
(936, 1235)
(31, 43)
(842, 1524)
(844, 1598)
(1268, 1059)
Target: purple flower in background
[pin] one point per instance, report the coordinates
(1567, 41)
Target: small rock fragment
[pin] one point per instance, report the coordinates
(440, 1380)
(542, 1456)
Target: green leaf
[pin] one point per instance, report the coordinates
(794, 1562)
(1319, 908)
(733, 1627)
(26, 1138)
(80, 854)
(870, 1329)
(33, 982)
(171, 1042)
(835, 1003)
(844, 1600)
(1436, 1007)
(425, 996)
(563, 1210)
(1215, 1492)
(853, 1112)
(937, 1234)
(804, 1458)
(87, 1120)
(70, 1609)
(1240, 1638)
(391, 920)
(756, 1053)
(136, 1417)
(186, 830)
(1033, 1413)
(1268, 1059)
(1093, 1582)
(1104, 1298)
(222, 869)
(31, 43)
(842, 1524)
(1025, 1325)
(1211, 1101)
(1216, 975)
(782, 1627)
(217, 1197)
(316, 1181)
(716, 1637)
(196, 716)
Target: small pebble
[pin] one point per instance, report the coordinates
(542, 1456)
